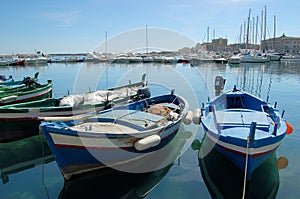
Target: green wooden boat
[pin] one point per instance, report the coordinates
(31, 92)
(22, 120)
(12, 85)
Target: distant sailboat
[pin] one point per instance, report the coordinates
(147, 58)
(249, 57)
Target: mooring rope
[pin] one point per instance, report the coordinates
(246, 167)
(43, 165)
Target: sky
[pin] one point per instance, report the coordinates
(73, 26)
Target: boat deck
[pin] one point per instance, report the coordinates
(242, 117)
(239, 121)
(120, 122)
(104, 127)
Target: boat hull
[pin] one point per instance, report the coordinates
(20, 120)
(239, 158)
(27, 95)
(80, 158)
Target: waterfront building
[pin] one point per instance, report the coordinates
(282, 44)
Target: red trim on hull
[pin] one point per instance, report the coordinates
(33, 97)
(46, 92)
(244, 154)
(101, 148)
(93, 148)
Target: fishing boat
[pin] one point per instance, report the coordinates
(30, 92)
(4, 79)
(20, 120)
(8, 83)
(119, 137)
(244, 128)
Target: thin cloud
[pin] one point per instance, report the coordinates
(63, 18)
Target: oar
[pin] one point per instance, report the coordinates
(67, 118)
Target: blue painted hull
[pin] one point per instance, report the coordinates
(72, 156)
(78, 148)
(239, 159)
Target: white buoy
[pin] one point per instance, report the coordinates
(173, 116)
(187, 120)
(197, 116)
(147, 142)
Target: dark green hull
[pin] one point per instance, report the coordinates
(20, 120)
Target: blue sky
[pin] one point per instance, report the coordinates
(57, 26)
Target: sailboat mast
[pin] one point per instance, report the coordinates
(247, 35)
(261, 30)
(253, 25)
(146, 39)
(256, 33)
(105, 41)
(265, 28)
(207, 34)
(274, 32)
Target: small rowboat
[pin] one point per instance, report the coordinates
(244, 128)
(9, 83)
(121, 137)
(32, 92)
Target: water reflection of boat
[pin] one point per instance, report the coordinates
(224, 180)
(23, 154)
(112, 184)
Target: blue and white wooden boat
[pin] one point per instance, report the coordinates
(118, 136)
(244, 128)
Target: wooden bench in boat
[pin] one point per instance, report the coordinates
(120, 122)
(230, 118)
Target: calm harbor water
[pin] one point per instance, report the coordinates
(28, 169)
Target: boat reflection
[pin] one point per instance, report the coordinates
(23, 154)
(112, 183)
(224, 180)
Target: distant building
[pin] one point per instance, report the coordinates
(217, 45)
(283, 44)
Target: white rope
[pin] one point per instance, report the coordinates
(246, 167)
